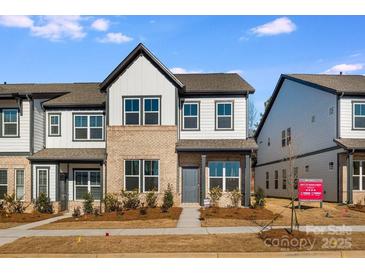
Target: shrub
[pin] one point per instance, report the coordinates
(77, 212)
(10, 205)
(97, 212)
(88, 203)
(168, 199)
(111, 202)
(259, 198)
(215, 194)
(143, 210)
(43, 204)
(130, 199)
(235, 196)
(151, 199)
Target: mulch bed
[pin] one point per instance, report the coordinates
(237, 213)
(129, 215)
(360, 208)
(25, 217)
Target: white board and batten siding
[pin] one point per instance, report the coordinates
(345, 110)
(21, 143)
(207, 120)
(66, 138)
(293, 108)
(52, 175)
(142, 78)
(39, 125)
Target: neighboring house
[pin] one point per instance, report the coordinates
(318, 121)
(142, 128)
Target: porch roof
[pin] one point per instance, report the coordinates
(351, 143)
(69, 154)
(216, 145)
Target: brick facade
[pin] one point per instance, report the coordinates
(141, 143)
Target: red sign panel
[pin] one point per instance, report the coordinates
(310, 190)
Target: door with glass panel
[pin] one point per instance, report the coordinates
(358, 175)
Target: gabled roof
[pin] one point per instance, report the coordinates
(335, 84)
(140, 49)
(214, 82)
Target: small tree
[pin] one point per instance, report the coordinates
(130, 199)
(168, 199)
(215, 195)
(43, 204)
(259, 198)
(88, 203)
(235, 196)
(151, 199)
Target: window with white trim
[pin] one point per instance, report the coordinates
(151, 111)
(3, 183)
(132, 111)
(89, 127)
(224, 175)
(42, 177)
(54, 124)
(19, 184)
(224, 115)
(87, 181)
(131, 175)
(358, 116)
(10, 122)
(358, 175)
(150, 175)
(190, 115)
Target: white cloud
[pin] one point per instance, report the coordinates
(238, 71)
(276, 27)
(16, 21)
(115, 37)
(179, 70)
(100, 24)
(345, 68)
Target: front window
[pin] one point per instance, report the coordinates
(358, 115)
(190, 116)
(3, 183)
(224, 174)
(87, 181)
(131, 175)
(151, 111)
(131, 111)
(151, 175)
(54, 124)
(224, 115)
(358, 175)
(88, 127)
(42, 181)
(10, 122)
(19, 183)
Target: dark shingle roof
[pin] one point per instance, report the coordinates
(351, 143)
(350, 84)
(214, 82)
(48, 88)
(95, 98)
(69, 154)
(216, 145)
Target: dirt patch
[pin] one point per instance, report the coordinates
(360, 208)
(283, 239)
(21, 218)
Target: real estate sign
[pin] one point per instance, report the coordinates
(310, 190)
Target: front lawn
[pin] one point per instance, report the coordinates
(154, 217)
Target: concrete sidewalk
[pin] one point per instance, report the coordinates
(189, 217)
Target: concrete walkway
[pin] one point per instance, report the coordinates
(189, 217)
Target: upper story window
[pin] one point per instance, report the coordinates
(131, 111)
(54, 124)
(88, 127)
(151, 111)
(358, 116)
(10, 123)
(191, 115)
(224, 115)
(283, 138)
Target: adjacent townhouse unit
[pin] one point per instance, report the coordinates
(314, 127)
(143, 128)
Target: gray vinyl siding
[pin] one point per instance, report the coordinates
(142, 78)
(39, 126)
(207, 119)
(293, 108)
(345, 110)
(52, 180)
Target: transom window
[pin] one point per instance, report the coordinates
(224, 174)
(131, 111)
(358, 115)
(42, 176)
(54, 124)
(132, 175)
(10, 122)
(19, 183)
(3, 183)
(151, 111)
(87, 181)
(190, 116)
(224, 115)
(358, 175)
(88, 127)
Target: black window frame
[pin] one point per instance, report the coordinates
(283, 138)
(276, 179)
(267, 180)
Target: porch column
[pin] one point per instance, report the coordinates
(350, 184)
(202, 179)
(247, 182)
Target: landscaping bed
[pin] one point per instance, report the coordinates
(360, 208)
(132, 218)
(22, 218)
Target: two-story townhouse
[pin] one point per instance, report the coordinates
(313, 127)
(188, 131)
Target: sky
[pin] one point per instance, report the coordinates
(41, 49)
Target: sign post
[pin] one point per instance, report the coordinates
(310, 190)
